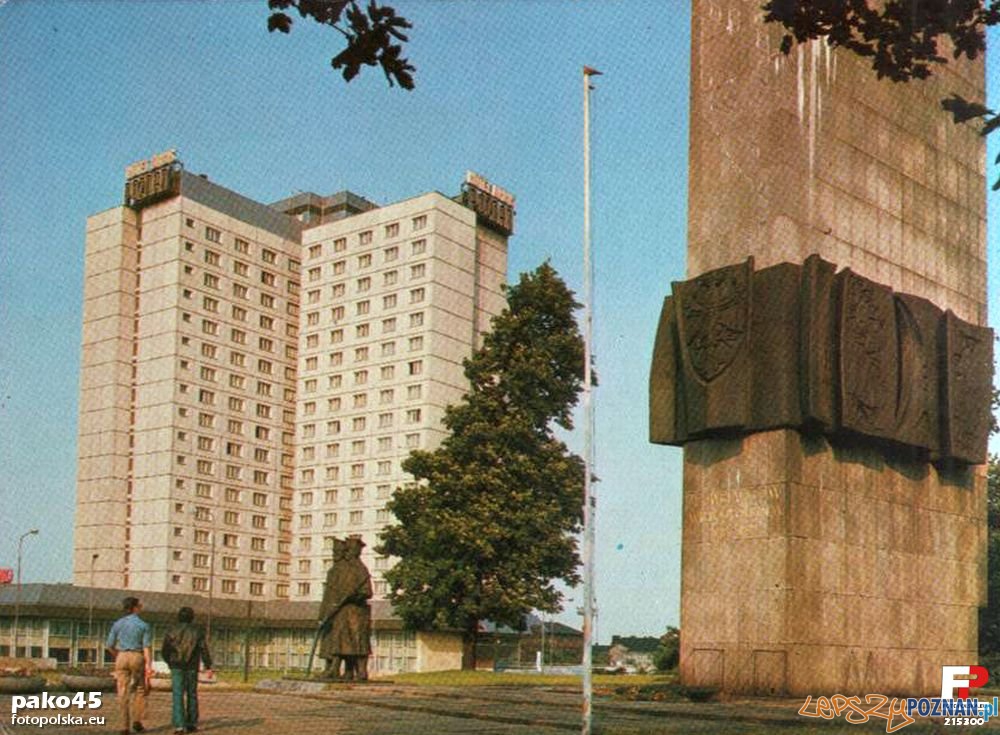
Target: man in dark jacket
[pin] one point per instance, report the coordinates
(184, 648)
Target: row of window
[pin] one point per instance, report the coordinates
(206, 490)
(239, 267)
(214, 282)
(239, 314)
(232, 540)
(240, 245)
(208, 397)
(361, 355)
(232, 586)
(358, 447)
(330, 518)
(330, 495)
(335, 404)
(364, 308)
(229, 449)
(364, 283)
(239, 336)
(363, 331)
(358, 423)
(304, 589)
(235, 426)
(365, 237)
(386, 396)
(237, 381)
(357, 470)
(267, 278)
(209, 468)
(211, 351)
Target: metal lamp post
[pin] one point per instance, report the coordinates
(17, 591)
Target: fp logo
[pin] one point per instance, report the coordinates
(957, 680)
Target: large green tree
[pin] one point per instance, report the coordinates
(489, 524)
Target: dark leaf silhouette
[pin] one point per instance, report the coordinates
(963, 110)
(371, 33)
(279, 22)
(990, 125)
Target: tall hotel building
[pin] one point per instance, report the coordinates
(253, 376)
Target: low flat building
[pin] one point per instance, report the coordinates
(69, 624)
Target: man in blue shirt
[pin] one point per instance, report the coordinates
(129, 641)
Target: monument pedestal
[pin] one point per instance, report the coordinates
(815, 567)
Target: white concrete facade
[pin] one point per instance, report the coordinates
(393, 301)
(226, 434)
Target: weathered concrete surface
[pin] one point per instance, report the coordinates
(815, 568)
(809, 153)
(809, 568)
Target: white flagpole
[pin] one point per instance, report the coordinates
(588, 410)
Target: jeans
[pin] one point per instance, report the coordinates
(184, 683)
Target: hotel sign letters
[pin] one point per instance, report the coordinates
(493, 205)
(151, 180)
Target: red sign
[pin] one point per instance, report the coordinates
(6, 576)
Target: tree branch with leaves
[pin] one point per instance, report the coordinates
(371, 34)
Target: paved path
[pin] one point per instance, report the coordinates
(397, 710)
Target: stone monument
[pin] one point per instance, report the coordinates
(345, 614)
(826, 367)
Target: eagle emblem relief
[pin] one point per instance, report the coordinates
(714, 317)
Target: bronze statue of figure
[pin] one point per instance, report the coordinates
(345, 613)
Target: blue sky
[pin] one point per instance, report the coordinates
(88, 87)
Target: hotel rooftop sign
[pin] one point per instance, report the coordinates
(493, 205)
(152, 179)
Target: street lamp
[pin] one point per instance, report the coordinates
(90, 607)
(17, 592)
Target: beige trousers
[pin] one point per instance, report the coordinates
(130, 672)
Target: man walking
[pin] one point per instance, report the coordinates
(184, 648)
(129, 641)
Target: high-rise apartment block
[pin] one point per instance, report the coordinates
(253, 376)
